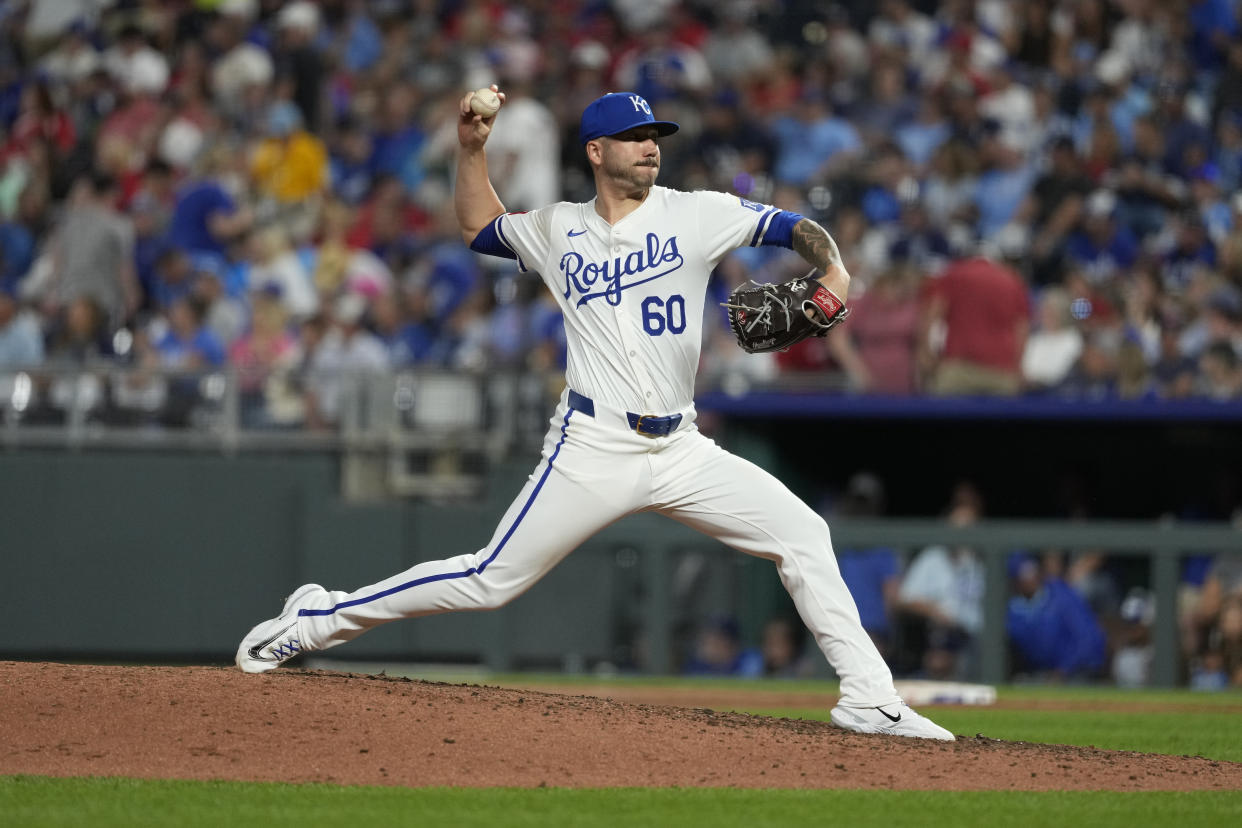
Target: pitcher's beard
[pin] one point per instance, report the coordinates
(636, 176)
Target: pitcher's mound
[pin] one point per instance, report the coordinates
(290, 726)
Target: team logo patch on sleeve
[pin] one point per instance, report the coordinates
(750, 205)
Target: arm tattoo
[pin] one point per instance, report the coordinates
(812, 242)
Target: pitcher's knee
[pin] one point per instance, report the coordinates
(494, 593)
(810, 529)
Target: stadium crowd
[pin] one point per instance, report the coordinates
(1033, 198)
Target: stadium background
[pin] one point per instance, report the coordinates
(921, 134)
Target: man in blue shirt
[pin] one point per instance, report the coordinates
(1051, 628)
(205, 217)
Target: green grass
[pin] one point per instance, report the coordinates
(1212, 735)
(1201, 726)
(100, 803)
(1204, 725)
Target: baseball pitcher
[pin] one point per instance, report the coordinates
(630, 269)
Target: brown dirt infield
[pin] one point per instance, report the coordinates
(314, 726)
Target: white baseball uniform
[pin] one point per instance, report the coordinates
(623, 438)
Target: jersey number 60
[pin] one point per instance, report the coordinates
(660, 315)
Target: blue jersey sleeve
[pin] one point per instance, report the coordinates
(779, 229)
(491, 243)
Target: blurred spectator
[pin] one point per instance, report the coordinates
(73, 58)
(241, 71)
(128, 137)
(1132, 655)
(949, 189)
(886, 106)
(872, 575)
(983, 307)
(265, 358)
(207, 216)
(783, 650)
(1012, 106)
(921, 136)
(299, 68)
(290, 167)
(389, 225)
(1094, 376)
(1173, 370)
(1219, 317)
(1055, 204)
(1054, 346)
(398, 137)
(277, 263)
(1146, 192)
(526, 172)
(1135, 380)
(1101, 247)
(1186, 249)
(735, 51)
(887, 182)
(225, 316)
(401, 322)
(18, 235)
(79, 338)
(733, 149)
(186, 343)
(350, 163)
(877, 349)
(1003, 184)
(40, 120)
(1214, 623)
(941, 598)
(901, 29)
(1053, 631)
(21, 340)
(341, 361)
(1220, 371)
(660, 68)
(813, 143)
(916, 242)
(718, 651)
(91, 252)
(172, 278)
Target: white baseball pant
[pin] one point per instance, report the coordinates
(595, 470)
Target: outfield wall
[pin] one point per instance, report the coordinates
(144, 555)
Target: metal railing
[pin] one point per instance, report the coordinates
(1162, 544)
(398, 433)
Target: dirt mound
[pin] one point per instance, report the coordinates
(218, 723)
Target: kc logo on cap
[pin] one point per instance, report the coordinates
(618, 111)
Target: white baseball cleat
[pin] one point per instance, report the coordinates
(897, 719)
(273, 642)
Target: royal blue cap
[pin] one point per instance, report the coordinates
(616, 112)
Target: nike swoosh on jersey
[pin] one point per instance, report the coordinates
(571, 233)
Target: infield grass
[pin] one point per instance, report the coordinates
(105, 802)
(1193, 724)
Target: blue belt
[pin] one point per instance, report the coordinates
(647, 424)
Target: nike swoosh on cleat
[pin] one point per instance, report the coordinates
(571, 233)
(894, 719)
(254, 651)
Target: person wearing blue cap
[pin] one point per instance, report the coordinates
(629, 270)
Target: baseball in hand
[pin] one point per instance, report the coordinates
(485, 102)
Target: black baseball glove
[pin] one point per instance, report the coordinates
(767, 317)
